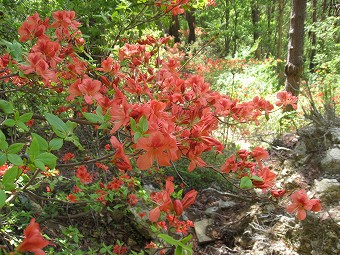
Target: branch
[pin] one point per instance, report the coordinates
(86, 162)
(11, 197)
(8, 76)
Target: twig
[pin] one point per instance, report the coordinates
(227, 194)
(178, 174)
(86, 162)
(11, 197)
(199, 51)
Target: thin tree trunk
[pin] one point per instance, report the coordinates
(227, 37)
(280, 65)
(174, 28)
(294, 66)
(235, 35)
(255, 14)
(324, 9)
(313, 39)
(189, 15)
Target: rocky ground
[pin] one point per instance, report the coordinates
(244, 224)
(225, 224)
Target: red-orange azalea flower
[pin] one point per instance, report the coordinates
(33, 241)
(286, 98)
(158, 147)
(267, 176)
(301, 203)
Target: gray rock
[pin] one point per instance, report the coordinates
(334, 135)
(200, 229)
(226, 204)
(331, 162)
(326, 185)
(211, 210)
(300, 149)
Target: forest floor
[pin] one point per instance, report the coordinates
(231, 223)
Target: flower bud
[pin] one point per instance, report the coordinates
(178, 207)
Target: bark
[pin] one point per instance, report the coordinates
(279, 29)
(235, 33)
(227, 37)
(313, 39)
(269, 33)
(174, 29)
(294, 66)
(189, 15)
(324, 9)
(255, 14)
(280, 65)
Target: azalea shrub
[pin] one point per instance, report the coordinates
(132, 116)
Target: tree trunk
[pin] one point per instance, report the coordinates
(189, 15)
(294, 66)
(324, 9)
(280, 65)
(255, 14)
(235, 33)
(313, 39)
(227, 37)
(279, 29)
(174, 28)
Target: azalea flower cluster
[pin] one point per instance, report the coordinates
(173, 6)
(47, 54)
(174, 113)
(172, 208)
(166, 204)
(246, 163)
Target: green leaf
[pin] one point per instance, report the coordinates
(42, 143)
(70, 126)
(94, 118)
(99, 111)
(267, 116)
(75, 140)
(16, 115)
(3, 145)
(58, 126)
(15, 50)
(186, 239)
(34, 149)
(179, 250)
(136, 136)
(6, 107)
(246, 182)
(61, 134)
(257, 178)
(48, 159)
(2, 198)
(10, 186)
(133, 124)
(10, 177)
(39, 164)
(9, 123)
(15, 148)
(143, 124)
(168, 239)
(3, 158)
(22, 125)
(2, 136)
(55, 144)
(15, 159)
(25, 117)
